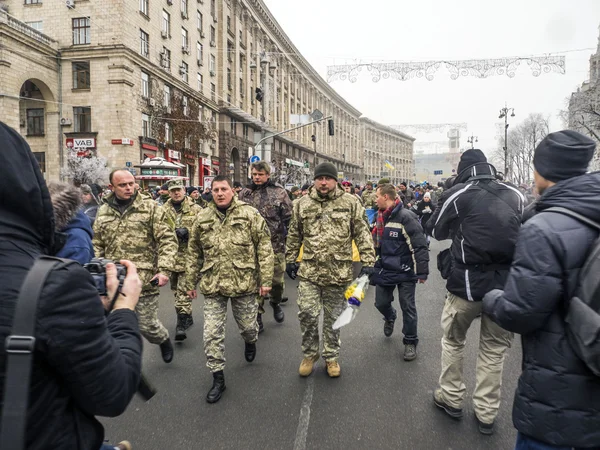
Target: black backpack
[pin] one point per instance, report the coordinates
(583, 310)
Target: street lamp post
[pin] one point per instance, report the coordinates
(504, 115)
(471, 140)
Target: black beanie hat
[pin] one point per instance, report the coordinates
(164, 187)
(190, 189)
(470, 158)
(305, 187)
(563, 155)
(326, 169)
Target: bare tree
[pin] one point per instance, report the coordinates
(584, 115)
(86, 169)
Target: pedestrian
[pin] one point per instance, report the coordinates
(409, 196)
(90, 202)
(295, 193)
(325, 222)
(73, 226)
(230, 253)
(482, 216)
(402, 260)
(424, 209)
(207, 195)
(128, 226)
(194, 194)
(237, 187)
(180, 212)
(85, 362)
(557, 402)
(305, 188)
(275, 207)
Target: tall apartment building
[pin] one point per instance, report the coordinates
(128, 80)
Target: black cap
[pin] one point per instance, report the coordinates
(237, 184)
(305, 187)
(164, 187)
(470, 158)
(326, 169)
(190, 189)
(563, 155)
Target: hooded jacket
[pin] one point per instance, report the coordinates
(483, 227)
(558, 398)
(84, 364)
(73, 222)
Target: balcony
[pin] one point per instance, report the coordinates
(26, 30)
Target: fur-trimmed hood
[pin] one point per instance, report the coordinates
(66, 200)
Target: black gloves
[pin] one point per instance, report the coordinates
(183, 235)
(366, 271)
(292, 270)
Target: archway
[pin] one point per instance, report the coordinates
(236, 171)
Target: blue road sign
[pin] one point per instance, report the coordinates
(254, 159)
(438, 172)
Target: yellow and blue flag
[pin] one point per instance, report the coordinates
(389, 165)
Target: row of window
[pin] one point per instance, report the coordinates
(144, 7)
(146, 88)
(82, 120)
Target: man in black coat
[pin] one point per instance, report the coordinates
(557, 402)
(84, 364)
(482, 216)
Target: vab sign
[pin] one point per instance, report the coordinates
(81, 143)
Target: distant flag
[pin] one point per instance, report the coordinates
(389, 165)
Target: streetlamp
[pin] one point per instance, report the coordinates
(504, 115)
(471, 140)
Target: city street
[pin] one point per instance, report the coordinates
(379, 402)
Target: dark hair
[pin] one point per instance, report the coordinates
(261, 166)
(112, 174)
(222, 178)
(387, 189)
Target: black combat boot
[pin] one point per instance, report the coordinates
(217, 389)
(277, 312)
(250, 351)
(180, 334)
(261, 327)
(167, 351)
(189, 321)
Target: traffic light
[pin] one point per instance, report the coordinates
(330, 127)
(259, 94)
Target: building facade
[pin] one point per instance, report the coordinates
(196, 82)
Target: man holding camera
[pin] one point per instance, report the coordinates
(129, 226)
(180, 213)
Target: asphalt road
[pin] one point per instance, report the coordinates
(379, 402)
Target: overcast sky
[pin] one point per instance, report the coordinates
(331, 32)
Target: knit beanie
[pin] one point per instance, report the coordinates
(470, 158)
(326, 169)
(563, 155)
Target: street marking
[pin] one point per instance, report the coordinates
(304, 419)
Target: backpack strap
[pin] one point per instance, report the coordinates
(574, 215)
(486, 187)
(19, 347)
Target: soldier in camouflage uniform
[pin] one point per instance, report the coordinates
(368, 196)
(275, 207)
(128, 226)
(325, 221)
(230, 253)
(180, 213)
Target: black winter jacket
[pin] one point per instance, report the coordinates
(424, 210)
(483, 227)
(84, 364)
(558, 398)
(402, 255)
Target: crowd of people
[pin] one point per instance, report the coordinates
(512, 260)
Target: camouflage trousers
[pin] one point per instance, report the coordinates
(244, 310)
(278, 284)
(183, 304)
(150, 326)
(311, 300)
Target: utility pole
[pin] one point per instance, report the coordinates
(471, 140)
(504, 115)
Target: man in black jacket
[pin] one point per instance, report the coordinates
(482, 216)
(402, 259)
(84, 364)
(557, 402)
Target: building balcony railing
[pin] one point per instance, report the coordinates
(26, 29)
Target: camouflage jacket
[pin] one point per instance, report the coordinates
(140, 234)
(327, 226)
(275, 206)
(230, 254)
(368, 198)
(183, 219)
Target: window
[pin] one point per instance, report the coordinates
(184, 72)
(213, 117)
(81, 75)
(184, 38)
(199, 52)
(166, 58)
(230, 51)
(246, 129)
(184, 104)
(33, 2)
(166, 23)
(145, 85)
(233, 126)
(35, 122)
(213, 93)
(199, 21)
(241, 87)
(184, 9)
(144, 7)
(145, 125)
(228, 23)
(213, 34)
(38, 25)
(213, 64)
(213, 8)
(167, 96)
(83, 119)
(200, 82)
(41, 159)
(168, 134)
(81, 31)
(186, 142)
(229, 79)
(144, 43)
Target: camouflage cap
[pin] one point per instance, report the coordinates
(176, 184)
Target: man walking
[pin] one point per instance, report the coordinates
(274, 205)
(368, 196)
(402, 260)
(180, 212)
(326, 221)
(408, 195)
(557, 402)
(482, 216)
(230, 253)
(131, 227)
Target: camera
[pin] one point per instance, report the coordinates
(97, 268)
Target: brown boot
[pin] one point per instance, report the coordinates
(333, 369)
(307, 366)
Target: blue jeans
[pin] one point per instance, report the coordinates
(527, 443)
(384, 297)
(107, 447)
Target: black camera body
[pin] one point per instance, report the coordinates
(97, 268)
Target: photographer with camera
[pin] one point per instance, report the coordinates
(84, 363)
(180, 213)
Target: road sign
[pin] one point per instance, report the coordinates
(128, 164)
(254, 159)
(208, 182)
(438, 172)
